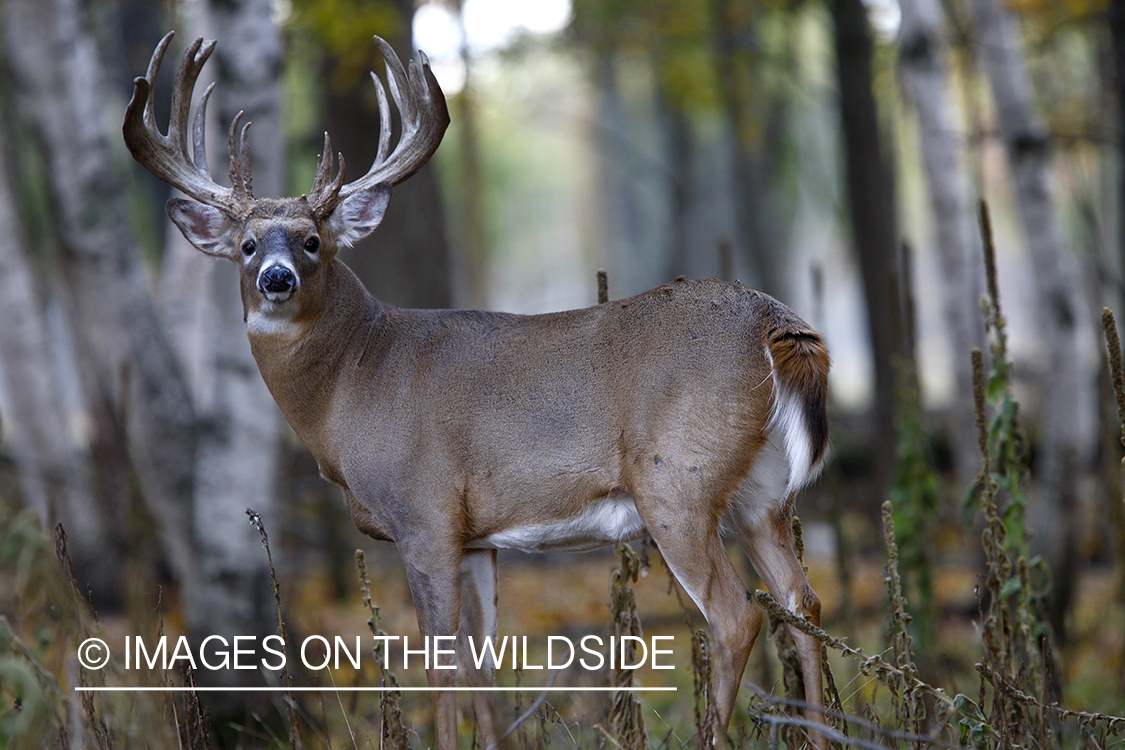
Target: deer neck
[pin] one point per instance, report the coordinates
(302, 358)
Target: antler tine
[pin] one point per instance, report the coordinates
(240, 177)
(199, 132)
(324, 184)
(166, 156)
(397, 81)
(150, 76)
(384, 120)
(323, 166)
(195, 56)
(406, 89)
(424, 115)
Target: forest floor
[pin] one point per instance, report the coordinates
(569, 595)
(540, 596)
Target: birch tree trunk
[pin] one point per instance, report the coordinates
(132, 382)
(925, 76)
(45, 439)
(237, 459)
(1065, 380)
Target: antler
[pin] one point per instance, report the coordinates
(166, 156)
(424, 116)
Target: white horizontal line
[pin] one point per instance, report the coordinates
(528, 689)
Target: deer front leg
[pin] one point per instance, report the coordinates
(433, 570)
(768, 542)
(478, 621)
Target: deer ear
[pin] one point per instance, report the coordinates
(204, 227)
(359, 214)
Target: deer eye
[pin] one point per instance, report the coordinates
(248, 247)
(312, 244)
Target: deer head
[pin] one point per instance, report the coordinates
(282, 245)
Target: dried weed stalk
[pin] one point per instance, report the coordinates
(291, 722)
(625, 715)
(910, 710)
(392, 732)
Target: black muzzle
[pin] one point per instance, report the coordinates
(276, 280)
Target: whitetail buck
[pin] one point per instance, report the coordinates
(691, 408)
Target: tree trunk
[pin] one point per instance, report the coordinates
(679, 153)
(871, 207)
(39, 425)
(132, 380)
(924, 73)
(1066, 384)
(470, 248)
(237, 462)
(1117, 44)
(630, 202)
(755, 178)
(406, 262)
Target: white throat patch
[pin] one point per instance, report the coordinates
(271, 319)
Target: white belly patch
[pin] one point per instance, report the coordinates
(604, 521)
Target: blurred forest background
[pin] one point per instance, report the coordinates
(833, 153)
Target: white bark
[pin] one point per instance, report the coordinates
(925, 78)
(46, 441)
(132, 373)
(1066, 379)
(237, 460)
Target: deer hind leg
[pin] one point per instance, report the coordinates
(478, 621)
(433, 570)
(694, 551)
(764, 529)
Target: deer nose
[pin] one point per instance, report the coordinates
(276, 279)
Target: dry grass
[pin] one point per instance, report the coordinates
(884, 702)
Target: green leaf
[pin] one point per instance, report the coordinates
(975, 729)
(996, 387)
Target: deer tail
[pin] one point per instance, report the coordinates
(798, 414)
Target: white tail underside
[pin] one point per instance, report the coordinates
(789, 425)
